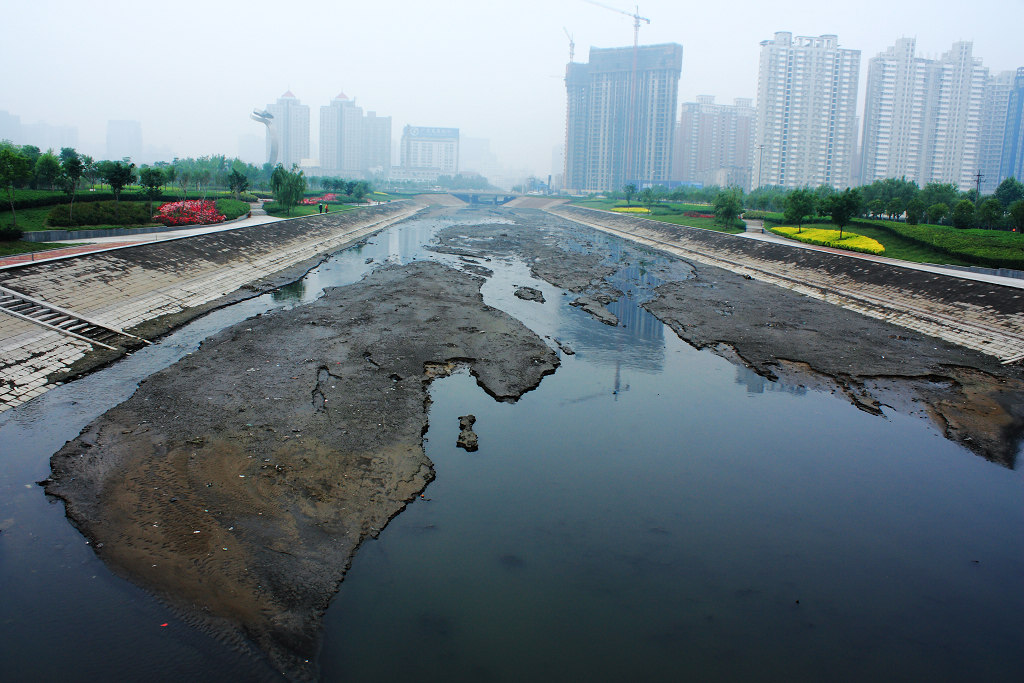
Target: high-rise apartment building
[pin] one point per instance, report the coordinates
(620, 117)
(291, 121)
(806, 112)
(994, 108)
(923, 117)
(353, 144)
(429, 150)
(714, 143)
(376, 144)
(1011, 162)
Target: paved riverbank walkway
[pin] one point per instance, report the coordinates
(969, 309)
(124, 287)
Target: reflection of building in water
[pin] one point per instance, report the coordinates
(756, 384)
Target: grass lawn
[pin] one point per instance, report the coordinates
(273, 209)
(669, 212)
(938, 243)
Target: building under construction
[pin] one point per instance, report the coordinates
(621, 116)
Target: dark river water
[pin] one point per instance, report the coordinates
(650, 512)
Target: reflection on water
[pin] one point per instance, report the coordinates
(291, 292)
(649, 512)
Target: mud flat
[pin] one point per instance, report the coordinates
(238, 483)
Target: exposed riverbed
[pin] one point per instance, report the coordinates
(647, 508)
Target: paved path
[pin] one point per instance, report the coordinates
(967, 309)
(124, 287)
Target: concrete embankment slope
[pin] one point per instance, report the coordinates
(148, 288)
(978, 315)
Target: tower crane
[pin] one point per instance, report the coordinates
(572, 44)
(631, 172)
(635, 16)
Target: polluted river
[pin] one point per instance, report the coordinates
(532, 451)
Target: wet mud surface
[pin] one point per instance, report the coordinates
(238, 483)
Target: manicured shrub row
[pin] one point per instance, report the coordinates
(830, 238)
(630, 209)
(100, 213)
(988, 248)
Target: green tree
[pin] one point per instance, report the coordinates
(915, 211)
(629, 190)
(287, 186)
(940, 193)
(238, 182)
(799, 205)
(47, 169)
(990, 213)
(963, 214)
(15, 168)
(89, 170)
(876, 207)
(843, 206)
(117, 174)
(936, 212)
(647, 197)
(1017, 215)
(728, 205)
(360, 190)
(151, 180)
(72, 168)
(1009, 191)
(894, 207)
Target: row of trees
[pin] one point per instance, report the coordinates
(892, 199)
(65, 172)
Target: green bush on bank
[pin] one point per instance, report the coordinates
(100, 213)
(10, 234)
(231, 208)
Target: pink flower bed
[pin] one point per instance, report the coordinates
(697, 214)
(191, 212)
(323, 199)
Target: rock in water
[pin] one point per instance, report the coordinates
(467, 437)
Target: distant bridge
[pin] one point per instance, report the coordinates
(482, 197)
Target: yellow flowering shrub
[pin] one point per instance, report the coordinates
(631, 209)
(830, 238)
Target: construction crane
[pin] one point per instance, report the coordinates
(631, 171)
(635, 16)
(572, 44)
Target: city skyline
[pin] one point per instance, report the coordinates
(493, 71)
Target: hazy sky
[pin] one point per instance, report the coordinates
(192, 71)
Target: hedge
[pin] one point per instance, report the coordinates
(100, 213)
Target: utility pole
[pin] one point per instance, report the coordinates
(977, 186)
